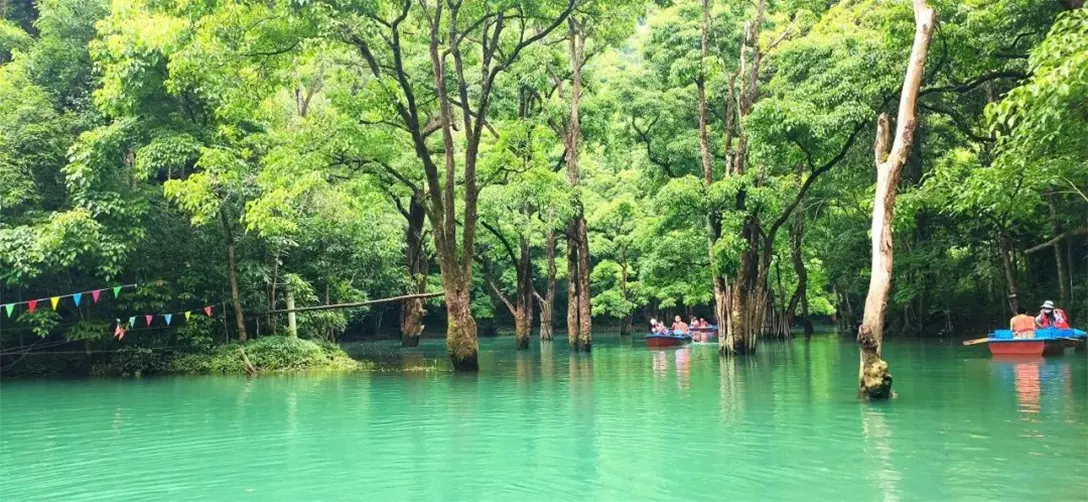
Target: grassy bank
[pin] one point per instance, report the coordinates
(267, 354)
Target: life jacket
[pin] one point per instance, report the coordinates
(1023, 324)
(1060, 320)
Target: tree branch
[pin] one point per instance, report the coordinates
(1056, 240)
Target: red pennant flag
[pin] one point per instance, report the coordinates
(95, 293)
(33, 304)
(207, 310)
(148, 319)
(119, 331)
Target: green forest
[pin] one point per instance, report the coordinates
(550, 168)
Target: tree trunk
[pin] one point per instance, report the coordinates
(232, 265)
(292, 324)
(455, 267)
(713, 215)
(547, 302)
(461, 341)
(874, 380)
(797, 254)
(579, 319)
(1059, 259)
(412, 310)
(523, 317)
(1013, 291)
(574, 324)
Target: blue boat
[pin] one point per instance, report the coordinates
(1047, 341)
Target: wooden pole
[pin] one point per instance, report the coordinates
(350, 305)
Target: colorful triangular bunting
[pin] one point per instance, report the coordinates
(208, 310)
(77, 298)
(54, 300)
(95, 293)
(186, 315)
(119, 331)
(9, 307)
(31, 306)
(148, 319)
(132, 321)
(116, 291)
(168, 317)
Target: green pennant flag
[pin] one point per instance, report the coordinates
(9, 307)
(116, 291)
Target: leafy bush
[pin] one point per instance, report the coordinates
(270, 353)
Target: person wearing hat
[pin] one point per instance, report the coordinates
(1051, 317)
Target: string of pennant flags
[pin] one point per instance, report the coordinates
(77, 298)
(96, 294)
(149, 319)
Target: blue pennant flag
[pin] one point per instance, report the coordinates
(77, 297)
(168, 317)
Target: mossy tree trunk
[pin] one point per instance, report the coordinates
(874, 380)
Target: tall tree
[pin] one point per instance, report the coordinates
(501, 33)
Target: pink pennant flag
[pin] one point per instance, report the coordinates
(119, 331)
(207, 310)
(95, 293)
(33, 304)
(148, 319)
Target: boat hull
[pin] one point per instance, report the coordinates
(1028, 347)
(704, 334)
(666, 340)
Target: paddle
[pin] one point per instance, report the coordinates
(976, 341)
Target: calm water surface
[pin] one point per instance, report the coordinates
(622, 423)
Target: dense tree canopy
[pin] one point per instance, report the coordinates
(250, 155)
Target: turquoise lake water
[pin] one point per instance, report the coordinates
(622, 423)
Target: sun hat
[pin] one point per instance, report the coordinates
(1048, 305)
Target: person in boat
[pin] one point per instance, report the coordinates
(1022, 325)
(679, 327)
(1052, 317)
(703, 323)
(658, 328)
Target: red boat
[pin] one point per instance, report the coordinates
(666, 340)
(1029, 346)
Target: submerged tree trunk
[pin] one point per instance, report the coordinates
(523, 318)
(232, 265)
(461, 341)
(874, 380)
(412, 310)
(547, 302)
(579, 311)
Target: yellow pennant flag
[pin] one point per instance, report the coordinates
(54, 300)
(187, 315)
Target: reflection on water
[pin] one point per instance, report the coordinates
(878, 442)
(620, 423)
(1027, 387)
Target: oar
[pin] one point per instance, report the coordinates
(976, 341)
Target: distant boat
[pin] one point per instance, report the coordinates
(704, 334)
(1047, 342)
(669, 340)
